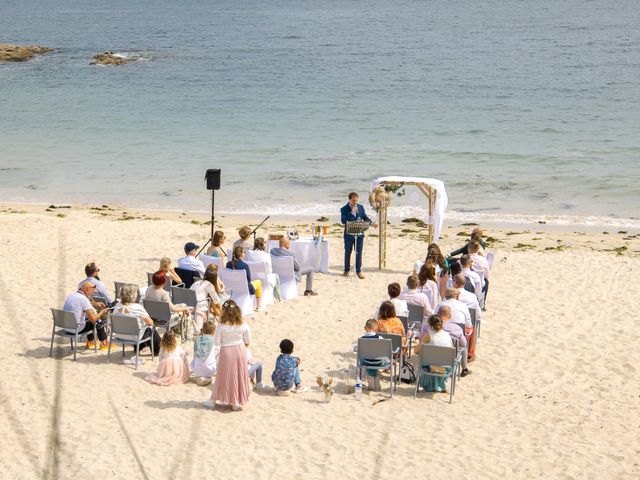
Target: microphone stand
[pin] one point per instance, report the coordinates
(255, 229)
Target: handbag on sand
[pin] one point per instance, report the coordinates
(407, 373)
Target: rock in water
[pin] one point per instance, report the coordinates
(110, 58)
(20, 53)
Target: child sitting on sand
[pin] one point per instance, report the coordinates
(204, 362)
(287, 372)
(255, 372)
(173, 366)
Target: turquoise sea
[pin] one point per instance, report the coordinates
(526, 110)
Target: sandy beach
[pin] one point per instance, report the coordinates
(554, 392)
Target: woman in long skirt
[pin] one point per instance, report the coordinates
(232, 380)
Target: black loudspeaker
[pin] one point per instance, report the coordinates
(213, 179)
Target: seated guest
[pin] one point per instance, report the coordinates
(209, 294)
(428, 283)
(128, 306)
(259, 254)
(237, 263)
(435, 335)
(466, 263)
(454, 269)
(394, 290)
(173, 367)
(255, 372)
(459, 311)
(243, 241)
(371, 331)
(216, 249)
(476, 234)
(456, 333)
(167, 268)
(283, 251)
(157, 293)
(480, 265)
(468, 298)
(189, 261)
(389, 323)
(411, 295)
(286, 375)
(78, 302)
(91, 270)
(204, 362)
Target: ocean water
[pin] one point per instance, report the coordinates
(526, 110)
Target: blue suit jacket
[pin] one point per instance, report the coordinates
(346, 215)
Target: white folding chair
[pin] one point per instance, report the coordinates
(236, 280)
(208, 260)
(490, 257)
(283, 266)
(259, 272)
(67, 321)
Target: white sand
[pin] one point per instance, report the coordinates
(554, 392)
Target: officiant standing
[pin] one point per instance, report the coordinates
(351, 212)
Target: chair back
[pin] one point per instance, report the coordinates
(405, 322)
(184, 295)
(208, 260)
(369, 348)
(99, 299)
(472, 313)
(187, 276)
(490, 257)
(396, 340)
(283, 266)
(64, 319)
(468, 285)
(235, 280)
(158, 310)
(122, 324)
(416, 316)
(117, 287)
(258, 270)
(437, 356)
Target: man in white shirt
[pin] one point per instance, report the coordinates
(466, 263)
(189, 261)
(468, 298)
(480, 265)
(459, 311)
(411, 295)
(78, 303)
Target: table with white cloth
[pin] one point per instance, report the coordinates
(308, 253)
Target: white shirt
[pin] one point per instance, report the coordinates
(480, 264)
(418, 298)
(459, 312)
(431, 290)
(191, 263)
(400, 305)
(440, 339)
(78, 303)
(204, 289)
(230, 335)
(475, 279)
(260, 256)
(471, 301)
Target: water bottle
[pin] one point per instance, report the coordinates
(358, 388)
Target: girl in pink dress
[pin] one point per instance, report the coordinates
(174, 366)
(232, 380)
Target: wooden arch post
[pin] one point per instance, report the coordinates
(428, 191)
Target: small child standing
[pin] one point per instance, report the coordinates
(204, 362)
(371, 331)
(287, 372)
(173, 366)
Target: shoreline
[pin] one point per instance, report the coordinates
(224, 218)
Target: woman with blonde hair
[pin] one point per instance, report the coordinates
(167, 268)
(232, 380)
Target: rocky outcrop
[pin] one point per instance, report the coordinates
(110, 58)
(20, 53)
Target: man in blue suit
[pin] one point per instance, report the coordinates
(350, 212)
